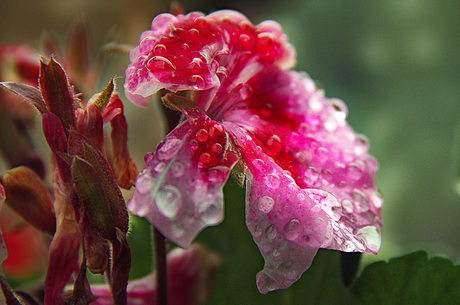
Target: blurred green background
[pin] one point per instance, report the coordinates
(395, 64)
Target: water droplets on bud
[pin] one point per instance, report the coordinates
(272, 181)
(245, 40)
(294, 138)
(361, 201)
(169, 200)
(205, 158)
(202, 135)
(293, 228)
(169, 148)
(217, 148)
(330, 124)
(266, 204)
(210, 212)
(257, 230)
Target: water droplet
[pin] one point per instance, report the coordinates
(294, 138)
(316, 102)
(327, 201)
(257, 230)
(177, 169)
(377, 200)
(210, 212)
(168, 199)
(245, 40)
(217, 173)
(160, 167)
(177, 229)
(347, 206)
(273, 144)
(266, 204)
(301, 156)
(271, 232)
(354, 171)
(160, 50)
(330, 124)
(288, 270)
(144, 183)
(321, 154)
(272, 180)
(159, 63)
(202, 135)
(205, 158)
(185, 47)
(197, 82)
(361, 201)
(194, 32)
(327, 175)
(371, 236)
(259, 164)
(293, 229)
(169, 148)
(216, 131)
(194, 144)
(301, 196)
(348, 246)
(266, 248)
(217, 148)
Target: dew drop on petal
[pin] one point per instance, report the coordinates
(266, 204)
(348, 246)
(177, 229)
(292, 229)
(377, 200)
(288, 270)
(202, 135)
(205, 158)
(271, 232)
(257, 230)
(197, 81)
(347, 206)
(168, 149)
(245, 40)
(210, 212)
(272, 181)
(177, 169)
(194, 144)
(273, 144)
(160, 167)
(294, 138)
(330, 124)
(168, 199)
(354, 171)
(371, 236)
(159, 50)
(217, 148)
(144, 183)
(361, 201)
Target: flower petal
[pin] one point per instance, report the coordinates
(310, 181)
(197, 52)
(307, 135)
(180, 189)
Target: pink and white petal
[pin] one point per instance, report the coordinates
(286, 222)
(180, 189)
(307, 135)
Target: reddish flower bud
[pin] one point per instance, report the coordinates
(29, 197)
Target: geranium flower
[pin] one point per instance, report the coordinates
(309, 178)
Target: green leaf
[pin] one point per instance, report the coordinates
(91, 193)
(410, 279)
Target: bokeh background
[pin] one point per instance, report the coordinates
(395, 63)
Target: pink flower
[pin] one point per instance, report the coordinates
(191, 274)
(310, 180)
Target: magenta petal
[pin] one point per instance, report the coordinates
(180, 189)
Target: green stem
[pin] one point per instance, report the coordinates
(161, 268)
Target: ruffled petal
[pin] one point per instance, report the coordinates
(180, 189)
(197, 52)
(310, 178)
(286, 224)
